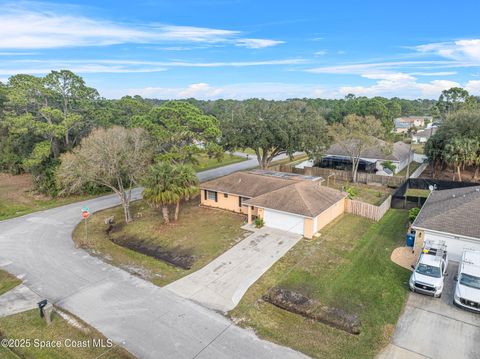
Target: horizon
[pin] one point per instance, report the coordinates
(231, 49)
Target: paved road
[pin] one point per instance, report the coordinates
(435, 328)
(250, 163)
(149, 321)
(222, 283)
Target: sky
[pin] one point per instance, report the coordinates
(210, 49)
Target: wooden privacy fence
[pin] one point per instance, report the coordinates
(368, 210)
(391, 181)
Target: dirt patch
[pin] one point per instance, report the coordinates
(309, 308)
(177, 257)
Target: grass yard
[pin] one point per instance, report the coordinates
(375, 195)
(207, 163)
(418, 148)
(413, 167)
(7, 282)
(349, 268)
(201, 234)
(413, 192)
(17, 197)
(29, 325)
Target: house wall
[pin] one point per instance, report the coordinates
(308, 230)
(330, 214)
(229, 203)
(455, 244)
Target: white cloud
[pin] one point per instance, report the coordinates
(460, 50)
(473, 87)
(401, 86)
(267, 90)
(257, 43)
(13, 67)
(320, 53)
(32, 28)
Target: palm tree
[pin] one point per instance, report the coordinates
(160, 189)
(186, 183)
(459, 152)
(167, 184)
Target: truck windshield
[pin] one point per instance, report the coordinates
(470, 281)
(430, 271)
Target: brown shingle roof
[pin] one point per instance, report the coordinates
(305, 198)
(380, 151)
(246, 184)
(455, 211)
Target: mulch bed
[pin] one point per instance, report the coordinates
(309, 308)
(178, 258)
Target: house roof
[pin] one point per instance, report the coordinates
(455, 211)
(246, 184)
(305, 198)
(400, 151)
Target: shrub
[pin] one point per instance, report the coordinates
(351, 192)
(413, 213)
(259, 223)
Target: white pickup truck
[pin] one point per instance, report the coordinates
(431, 269)
(467, 290)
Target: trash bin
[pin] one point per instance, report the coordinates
(410, 239)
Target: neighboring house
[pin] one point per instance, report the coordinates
(423, 135)
(286, 201)
(371, 160)
(402, 124)
(453, 216)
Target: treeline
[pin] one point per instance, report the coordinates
(43, 117)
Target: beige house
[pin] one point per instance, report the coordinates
(286, 201)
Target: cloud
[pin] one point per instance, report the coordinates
(257, 43)
(33, 67)
(460, 50)
(473, 87)
(267, 90)
(320, 53)
(33, 27)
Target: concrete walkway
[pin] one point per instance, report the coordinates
(149, 321)
(222, 283)
(18, 300)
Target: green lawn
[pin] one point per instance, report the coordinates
(418, 148)
(349, 268)
(207, 163)
(29, 326)
(375, 195)
(7, 282)
(17, 197)
(203, 233)
(413, 192)
(413, 166)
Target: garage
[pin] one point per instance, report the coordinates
(285, 221)
(453, 216)
(455, 244)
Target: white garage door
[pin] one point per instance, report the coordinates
(455, 246)
(287, 222)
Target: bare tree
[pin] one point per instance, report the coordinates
(356, 134)
(115, 158)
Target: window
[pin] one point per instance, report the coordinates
(212, 196)
(225, 195)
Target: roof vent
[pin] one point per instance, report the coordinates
(453, 195)
(477, 189)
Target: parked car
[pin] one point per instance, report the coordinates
(467, 290)
(431, 269)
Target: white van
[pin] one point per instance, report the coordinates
(467, 290)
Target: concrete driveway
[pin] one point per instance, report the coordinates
(222, 283)
(435, 328)
(149, 321)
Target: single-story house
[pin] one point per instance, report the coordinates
(372, 158)
(291, 202)
(423, 135)
(453, 216)
(402, 124)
